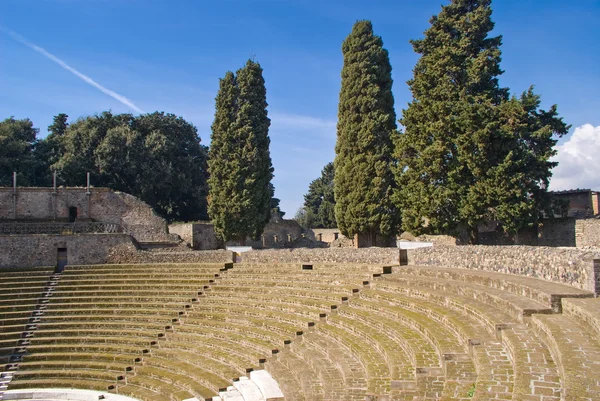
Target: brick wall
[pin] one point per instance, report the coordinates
(570, 266)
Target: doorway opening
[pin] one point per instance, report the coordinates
(61, 260)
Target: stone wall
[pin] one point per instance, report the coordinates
(557, 232)
(42, 250)
(587, 233)
(324, 234)
(100, 204)
(570, 266)
(200, 235)
(121, 255)
(325, 255)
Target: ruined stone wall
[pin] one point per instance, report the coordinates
(587, 233)
(100, 204)
(324, 255)
(570, 266)
(325, 234)
(200, 236)
(41, 250)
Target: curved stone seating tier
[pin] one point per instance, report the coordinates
(340, 372)
(254, 336)
(577, 349)
(545, 292)
(333, 332)
(492, 362)
(62, 394)
(334, 268)
(535, 356)
(63, 382)
(233, 359)
(310, 310)
(516, 305)
(586, 311)
(173, 267)
(23, 272)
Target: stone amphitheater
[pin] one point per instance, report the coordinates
(274, 331)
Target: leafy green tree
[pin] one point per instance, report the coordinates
(305, 218)
(519, 175)
(17, 146)
(156, 157)
(320, 199)
(469, 153)
(364, 182)
(240, 190)
(50, 149)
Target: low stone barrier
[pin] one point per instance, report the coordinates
(324, 255)
(575, 267)
(119, 255)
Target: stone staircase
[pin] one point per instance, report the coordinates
(20, 350)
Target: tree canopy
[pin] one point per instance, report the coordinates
(156, 157)
(469, 153)
(364, 182)
(240, 189)
(17, 146)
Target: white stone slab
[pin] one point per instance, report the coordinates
(413, 244)
(239, 249)
(248, 389)
(231, 394)
(62, 394)
(267, 385)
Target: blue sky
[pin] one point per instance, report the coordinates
(168, 55)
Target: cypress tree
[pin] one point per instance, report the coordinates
(240, 163)
(225, 181)
(451, 121)
(364, 182)
(252, 134)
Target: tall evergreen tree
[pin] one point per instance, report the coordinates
(450, 120)
(320, 201)
(240, 163)
(364, 181)
(462, 155)
(225, 181)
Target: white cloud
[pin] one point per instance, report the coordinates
(72, 70)
(578, 160)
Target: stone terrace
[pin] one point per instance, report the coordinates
(323, 331)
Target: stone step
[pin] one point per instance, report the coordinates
(248, 389)
(267, 385)
(232, 394)
(576, 350)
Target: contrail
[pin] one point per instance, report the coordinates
(72, 70)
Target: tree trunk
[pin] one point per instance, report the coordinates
(473, 235)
